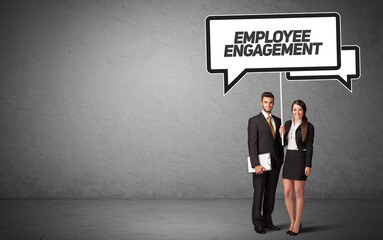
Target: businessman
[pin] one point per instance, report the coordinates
(263, 137)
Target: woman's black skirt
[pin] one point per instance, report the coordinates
(295, 164)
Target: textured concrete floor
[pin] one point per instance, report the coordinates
(181, 219)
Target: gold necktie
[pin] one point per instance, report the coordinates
(271, 126)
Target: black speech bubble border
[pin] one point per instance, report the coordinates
(228, 86)
(347, 84)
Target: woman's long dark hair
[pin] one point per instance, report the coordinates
(304, 118)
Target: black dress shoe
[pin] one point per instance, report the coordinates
(288, 232)
(259, 230)
(272, 227)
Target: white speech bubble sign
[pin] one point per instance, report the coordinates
(350, 69)
(237, 44)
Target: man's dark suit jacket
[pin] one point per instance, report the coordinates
(307, 144)
(260, 140)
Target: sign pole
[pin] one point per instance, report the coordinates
(280, 87)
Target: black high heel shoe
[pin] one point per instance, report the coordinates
(294, 233)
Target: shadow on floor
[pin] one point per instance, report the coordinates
(320, 228)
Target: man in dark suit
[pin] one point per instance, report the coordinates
(263, 137)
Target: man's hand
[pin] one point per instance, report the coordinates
(259, 169)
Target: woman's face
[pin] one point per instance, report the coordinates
(297, 112)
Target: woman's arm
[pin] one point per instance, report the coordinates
(309, 145)
(284, 130)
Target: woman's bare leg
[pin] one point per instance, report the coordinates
(288, 186)
(299, 187)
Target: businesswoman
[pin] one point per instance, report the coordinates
(298, 137)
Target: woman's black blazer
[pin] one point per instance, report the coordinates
(307, 144)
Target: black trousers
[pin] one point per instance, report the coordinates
(264, 186)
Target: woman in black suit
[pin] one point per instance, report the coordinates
(299, 140)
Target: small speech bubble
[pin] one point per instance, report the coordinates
(349, 70)
(237, 44)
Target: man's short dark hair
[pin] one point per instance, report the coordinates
(267, 94)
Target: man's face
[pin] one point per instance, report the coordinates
(267, 104)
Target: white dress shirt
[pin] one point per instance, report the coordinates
(292, 145)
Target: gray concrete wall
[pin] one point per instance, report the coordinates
(112, 99)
